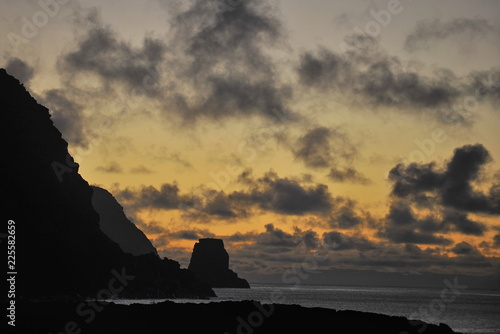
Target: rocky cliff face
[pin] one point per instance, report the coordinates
(60, 248)
(117, 226)
(210, 263)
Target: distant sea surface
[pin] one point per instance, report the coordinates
(472, 311)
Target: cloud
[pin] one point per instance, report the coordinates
(402, 226)
(459, 222)
(201, 205)
(269, 193)
(338, 241)
(20, 69)
(216, 203)
(275, 251)
(112, 168)
(496, 241)
(212, 64)
(100, 51)
(346, 214)
(369, 76)
(67, 116)
(284, 196)
(430, 32)
(452, 186)
(322, 147)
(176, 157)
(167, 197)
(279, 239)
(140, 169)
(221, 54)
(450, 193)
(348, 174)
(271, 245)
(464, 248)
(191, 234)
(162, 236)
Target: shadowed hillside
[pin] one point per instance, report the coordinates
(117, 226)
(60, 248)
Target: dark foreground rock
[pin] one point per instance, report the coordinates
(61, 252)
(117, 226)
(210, 263)
(217, 317)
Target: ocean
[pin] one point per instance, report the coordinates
(466, 311)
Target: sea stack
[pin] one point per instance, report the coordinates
(210, 263)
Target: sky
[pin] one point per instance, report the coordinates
(319, 135)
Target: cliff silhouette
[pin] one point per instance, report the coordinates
(117, 226)
(61, 251)
(210, 263)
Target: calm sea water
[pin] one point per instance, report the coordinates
(471, 311)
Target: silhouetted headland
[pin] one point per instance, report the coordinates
(61, 250)
(117, 226)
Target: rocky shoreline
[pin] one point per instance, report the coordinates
(217, 317)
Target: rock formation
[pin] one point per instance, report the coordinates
(210, 263)
(61, 251)
(220, 317)
(117, 226)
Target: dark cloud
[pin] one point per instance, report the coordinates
(346, 214)
(430, 32)
(275, 242)
(217, 203)
(112, 167)
(378, 79)
(141, 169)
(199, 205)
(167, 197)
(223, 53)
(458, 221)
(269, 193)
(323, 147)
(403, 226)
(100, 51)
(462, 170)
(496, 241)
(20, 69)
(348, 174)
(278, 251)
(449, 192)
(452, 186)
(192, 234)
(162, 235)
(485, 85)
(67, 116)
(285, 196)
(275, 237)
(212, 64)
(231, 97)
(338, 241)
(464, 248)
(151, 227)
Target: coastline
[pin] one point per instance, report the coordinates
(215, 317)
